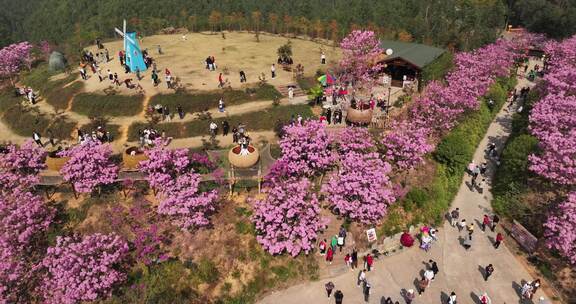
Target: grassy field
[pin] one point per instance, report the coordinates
(255, 121)
(97, 105)
(57, 90)
(198, 101)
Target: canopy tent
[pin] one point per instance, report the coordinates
(327, 79)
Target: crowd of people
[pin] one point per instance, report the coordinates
(99, 134)
(27, 92)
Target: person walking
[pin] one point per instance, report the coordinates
(242, 77)
(468, 242)
(535, 285)
(329, 287)
(495, 221)
(366, 291)
(348, 260)
(273, 70)
(369, 261)
(485, 222)
(488, 270)
(409, 296)
(37, 138)
(499, 239)
(338, 296)
(454, 215)
(354, 257)
(330, 255)
(334, 242)
(470, 229)
(422, 285)
(452, 298)
(221, 105)
(361, 277)
(323, 58)
(180, 111)
(434, 268)
(462, 225)
(429, 275)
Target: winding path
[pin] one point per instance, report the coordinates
(460, 270)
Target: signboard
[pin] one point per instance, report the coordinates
(371, 235)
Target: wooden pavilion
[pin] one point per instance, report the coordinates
(407, 60)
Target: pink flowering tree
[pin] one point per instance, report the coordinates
(353, 139)
(89, 166)
(24, 220)
(19, 166)
(553, 117)
(560, 228)
(83, 269)
(361, 189)
(185, 204)
(305, 151)
(360, 53)
(288, 219)
(405, 146)
(164, 165)
(14, 57)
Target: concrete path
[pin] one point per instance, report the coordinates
(460, 270)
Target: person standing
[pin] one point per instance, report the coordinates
(468, 242)
(273, 70)
(242, 77)
(452, 298)
(499, 239)
(221, 105)
(155, 78)
(454, 215)
(354, 258)
(341, 237)
(168, 79)
(338, 296)
(434, 268)
(213, 129)
(290, 93)
(535, 285)
(495, 221)
(37, 138)
(485, 222)
(366, 291)
(322, 247)
(51, 138)
(488, 270)
(225, 128)
(329, 287)
(348, 260)
(220, 81)
(361, 277)
(323, 58)
(180, 111)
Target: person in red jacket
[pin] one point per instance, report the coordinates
(499, 239)
(369, 262)
(329, 255)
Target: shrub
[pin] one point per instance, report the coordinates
(454, 152)
(417, 196)
(438, 68)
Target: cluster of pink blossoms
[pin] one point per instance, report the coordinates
(89, 166)
(171, 172)
(19, 166)
(553, 117)
(288, 219)
(83, 269)
(560, 227)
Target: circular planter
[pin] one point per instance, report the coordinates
(243, 161)
(359, 116)
(55, 163)
(131, 161)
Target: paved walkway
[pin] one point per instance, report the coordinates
(460, 270)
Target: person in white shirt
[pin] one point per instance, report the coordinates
(273, 70)
(452, 298)
(323, 58)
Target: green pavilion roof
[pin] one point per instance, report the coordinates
(417, 54)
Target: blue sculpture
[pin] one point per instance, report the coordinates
(134, 59)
